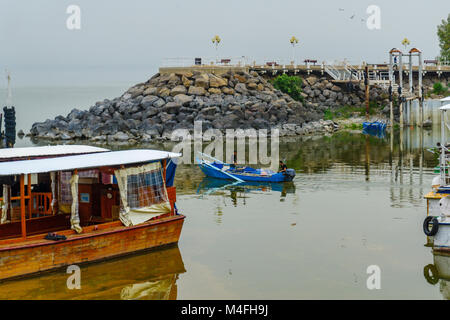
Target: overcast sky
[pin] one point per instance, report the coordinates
(139, 34)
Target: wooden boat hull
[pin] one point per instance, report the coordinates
(36, 254)
(278, 177)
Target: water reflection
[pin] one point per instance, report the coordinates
(438, 273)
(238, 190)
(362, 194)
(150, 276)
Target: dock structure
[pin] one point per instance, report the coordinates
(339, 72)
(389, 75)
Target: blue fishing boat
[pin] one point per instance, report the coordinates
(215, 168)
(374, 126)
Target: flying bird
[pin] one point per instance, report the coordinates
(341, 9)
(352, 16)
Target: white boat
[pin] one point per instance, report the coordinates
(437, 223)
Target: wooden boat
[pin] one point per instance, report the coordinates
(94, 205)
(215, 168)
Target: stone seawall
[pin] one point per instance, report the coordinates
(154, 109)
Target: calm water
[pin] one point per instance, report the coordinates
(355, 202)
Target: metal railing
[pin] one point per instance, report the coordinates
(333, 72)
(205, 61)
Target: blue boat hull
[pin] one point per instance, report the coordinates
(213, 173)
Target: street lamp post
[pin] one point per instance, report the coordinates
(294, 42)
(406, 42)
(216, 41)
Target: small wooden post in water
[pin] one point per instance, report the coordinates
(400, 88)
(391, 105)
(420, 88)
(366, 82)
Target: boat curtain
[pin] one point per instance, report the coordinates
(143, 193)
(5, 206)
(74, 216)
(53, 186)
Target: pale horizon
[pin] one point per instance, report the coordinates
(136, 36)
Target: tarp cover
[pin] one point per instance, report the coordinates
(143, 193)
(84, 161)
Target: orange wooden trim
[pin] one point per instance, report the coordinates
(43, 202)
(19, 197)
(29, 195)
(164, 169)
(22, 206)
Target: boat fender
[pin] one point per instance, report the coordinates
(434, 228)
(430, 273)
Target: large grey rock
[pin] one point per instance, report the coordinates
(159, 103)
(151, 91)
(217, 82)
(241, 88)
(172, 107)
(202, 81)
(181, 89)
(121, 136)
(197, 91)
(183, 99)
(148, 101)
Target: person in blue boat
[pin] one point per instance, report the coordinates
(233, 164)
(283, 167)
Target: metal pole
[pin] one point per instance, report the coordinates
(410, 74)
(400, 88)
(400, 71)
(420, 89)
(400, 105)
(366, 82)
(443, 162)
(401, 156)
(391, 104)
(391, 67)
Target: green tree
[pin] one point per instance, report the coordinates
(444, 38)
(290, 85)
(439, 88)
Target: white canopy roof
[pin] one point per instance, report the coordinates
(84, 161)
(47, 151)
(446, 107)
(445, 99)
